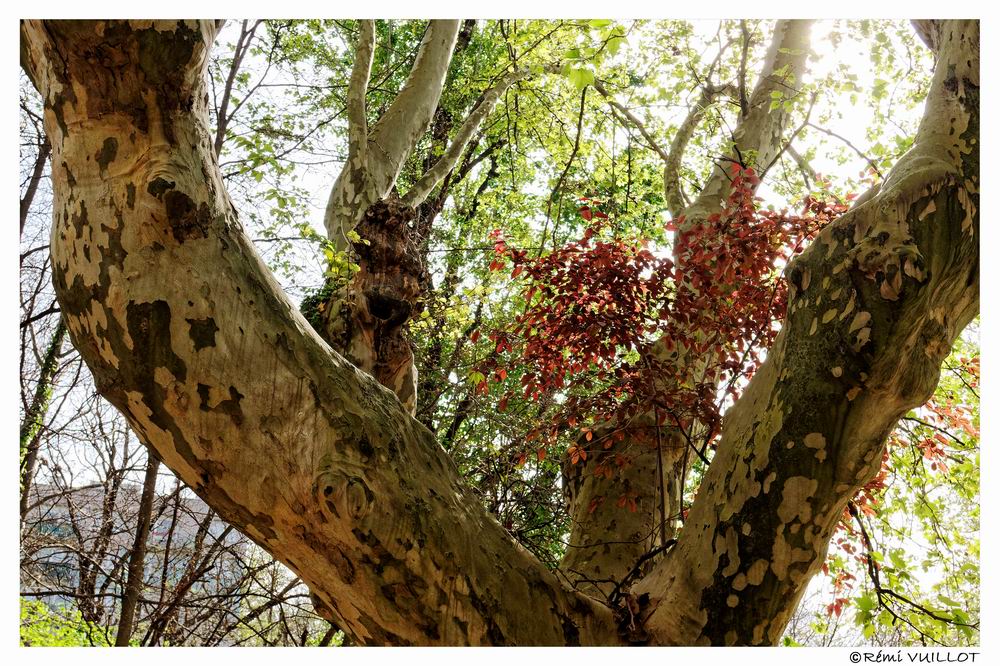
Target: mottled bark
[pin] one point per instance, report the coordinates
(366, 320)
(624, 500)
(187, 334)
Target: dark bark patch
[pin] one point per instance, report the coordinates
(130, 195)
(70, 179)
(149, 327)
(140, 116)
(230, 406)
(106, 155)
(202, 332)
(114, 254)
(158, 186)
(187, 220)
(359, 498)
(494, 634)
(79, 220)
(571, 633)
(365, 448)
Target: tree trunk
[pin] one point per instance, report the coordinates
(625, 502)
(875, 305)
(31, 427)
(188, 335)
(365, 320)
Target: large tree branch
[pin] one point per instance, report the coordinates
(678, 146)
(874, 306)
(357, 110)
(393, 136)
(169, 304)
(759, 135)
(408, 117)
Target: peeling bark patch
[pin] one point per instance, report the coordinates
(158, 186)
(79, 220)
(106, 155)
(149, 327)
(815, 440)
(570, 632)
(202, 332)
(795, 499)
(230, 406)
(186, 219)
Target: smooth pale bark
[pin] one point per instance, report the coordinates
(607, 542)
(762, 133)
(875, 305)
(620, 513)
(187, 333)
(672, 191)
(483, 108)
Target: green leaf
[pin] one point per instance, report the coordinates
(599, 23)
(948, 602)
(614, 44)
(581, 78)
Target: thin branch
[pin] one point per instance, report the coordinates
(562, 176)
(483, 107)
